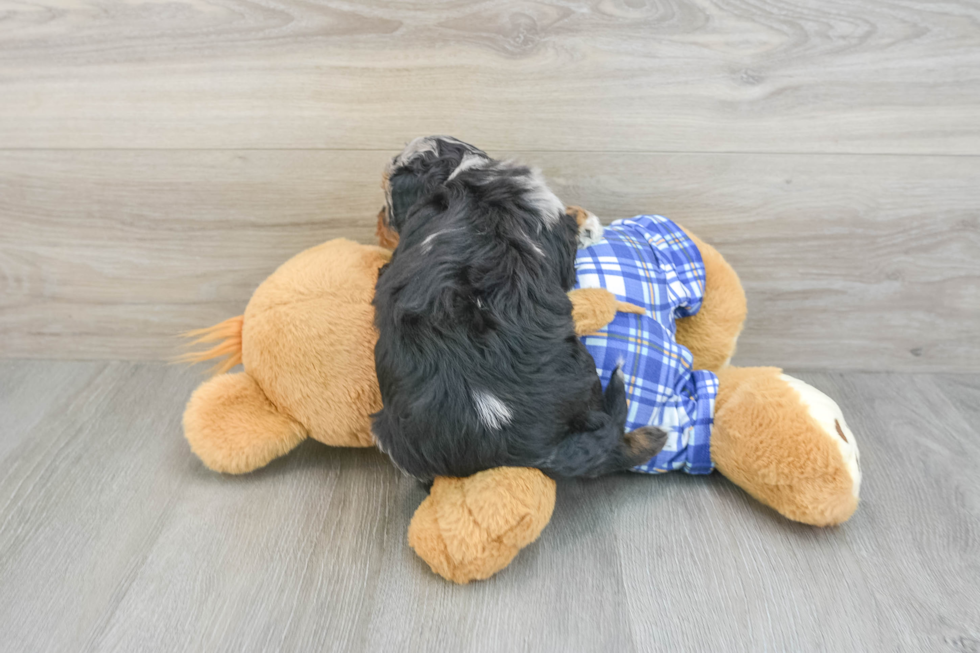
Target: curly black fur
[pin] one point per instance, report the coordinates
(477, 357)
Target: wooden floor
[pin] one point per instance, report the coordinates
(159, 159)
(113, 537)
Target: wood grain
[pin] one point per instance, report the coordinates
(846, 262)
(963, 391)
(865, 585)
(30, 392)
(158, 160)
(876, 76)
(113, 537)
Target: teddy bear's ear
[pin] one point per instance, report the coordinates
(233, 427)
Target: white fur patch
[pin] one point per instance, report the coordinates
(828, 415)
(534, 245)
(417, 147)
(590, 232)
(492, 412)
(426, 245)
(469, 161)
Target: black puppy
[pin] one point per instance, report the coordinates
(477, 357)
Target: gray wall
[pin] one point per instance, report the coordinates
(155, 166)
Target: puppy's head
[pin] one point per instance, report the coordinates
(425, 164)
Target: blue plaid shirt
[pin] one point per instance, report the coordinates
(649, 261)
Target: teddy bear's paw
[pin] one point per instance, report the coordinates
(471, 528)
(594, 308)
(828, 415)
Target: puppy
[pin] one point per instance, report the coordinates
(477, 357)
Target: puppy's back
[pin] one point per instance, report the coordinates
(476, 343)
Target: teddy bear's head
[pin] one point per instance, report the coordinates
(306, 342)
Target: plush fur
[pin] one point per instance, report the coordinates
(801, 474)
(592, 310)
(310, 326)
(233, 427)
(477, 357)
(712, 332)
(473, 527)
(297, 345)
(306, 341)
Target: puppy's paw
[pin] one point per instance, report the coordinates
(644, 443)
(589, 227)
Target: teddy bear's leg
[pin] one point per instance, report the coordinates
(471, 528)
(711, 333)
(233, 427)
(785, 443)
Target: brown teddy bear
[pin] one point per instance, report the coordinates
(306, 343)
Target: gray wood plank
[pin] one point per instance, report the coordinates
(289, 558)
(720, 76)
(82, 502)
(113, 537)
(963, 392)
(31, 390)
(850, 262)
(902, 574)
(918, 548)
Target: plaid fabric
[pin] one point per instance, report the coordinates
(649, 261)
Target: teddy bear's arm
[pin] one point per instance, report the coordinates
(711, 333)
(594, 308)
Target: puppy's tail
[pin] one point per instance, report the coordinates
(606, 448)
(227, 334)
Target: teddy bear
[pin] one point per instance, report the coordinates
(669, 318)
